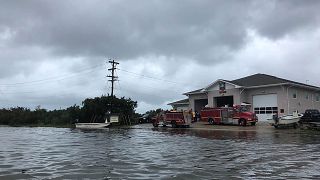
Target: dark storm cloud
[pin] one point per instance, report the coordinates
(181, 40)
(276, 19)
(127, 29)
(200, 30)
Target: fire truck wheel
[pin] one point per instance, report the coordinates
(174, 124)
(211, 121)
(242, 122)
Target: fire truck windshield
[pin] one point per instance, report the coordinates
(244, 108)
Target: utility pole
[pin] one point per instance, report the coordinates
(112, 76)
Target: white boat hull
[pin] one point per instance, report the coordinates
(92, 125)
(285, 120)
(288, 120)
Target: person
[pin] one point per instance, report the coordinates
(197, 116)
(275, 118)
(191, 115)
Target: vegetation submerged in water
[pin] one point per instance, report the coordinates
(92, 110)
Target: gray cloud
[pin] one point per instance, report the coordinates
(276, 19)
(184, 41)
(127, 29)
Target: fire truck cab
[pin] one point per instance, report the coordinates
(236, 115)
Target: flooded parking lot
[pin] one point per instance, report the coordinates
(144, 152)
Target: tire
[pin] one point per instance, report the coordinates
(242, 122)
(174, 124)
(211, 121)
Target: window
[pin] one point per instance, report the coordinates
(307, 96)
(317, 97)
(266, 110)
(294, 95)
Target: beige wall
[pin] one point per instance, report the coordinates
(180, 107)
(196, 96)
(279, 90)
(301, 103)
(229, 92)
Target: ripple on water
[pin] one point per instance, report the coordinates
(148, 153)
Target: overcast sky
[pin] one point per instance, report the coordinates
(54, 53)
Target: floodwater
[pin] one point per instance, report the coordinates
(163, 153)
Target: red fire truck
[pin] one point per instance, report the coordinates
(176, 119)
(238, 114)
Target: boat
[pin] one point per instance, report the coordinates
(93, 125)
(291, 120)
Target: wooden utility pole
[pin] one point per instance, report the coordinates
(112, 76)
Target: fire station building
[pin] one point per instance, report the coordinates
(266, 94)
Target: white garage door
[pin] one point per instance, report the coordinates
(265, 106)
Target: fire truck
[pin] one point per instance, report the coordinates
(236, 115)
(173, 118)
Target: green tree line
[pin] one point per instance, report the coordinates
(92, 110)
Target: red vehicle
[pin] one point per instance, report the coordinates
(176, 119)
(239, 115)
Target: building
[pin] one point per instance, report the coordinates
(267, 95)
(181, 105)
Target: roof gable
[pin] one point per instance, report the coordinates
(212, 85)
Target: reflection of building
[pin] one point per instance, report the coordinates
(267, 95)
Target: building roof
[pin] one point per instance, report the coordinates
(198, 91)
(180, 102)
(265, 80)
(257, 80)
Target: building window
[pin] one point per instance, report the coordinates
(307, 96)
(294, 95)
(266, 110)
(317, 97)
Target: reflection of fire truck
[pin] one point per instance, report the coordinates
(238, 114)
(176, 119)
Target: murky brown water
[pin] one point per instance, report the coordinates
(147, 153)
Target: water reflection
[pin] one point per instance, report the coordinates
(209, 134)
(158, 153)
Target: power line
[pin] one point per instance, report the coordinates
(150, 77)
(54, 78)
(158, 79)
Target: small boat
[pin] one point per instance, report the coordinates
(291, 120)
(93, 125)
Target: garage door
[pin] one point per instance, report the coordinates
(265, 106)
